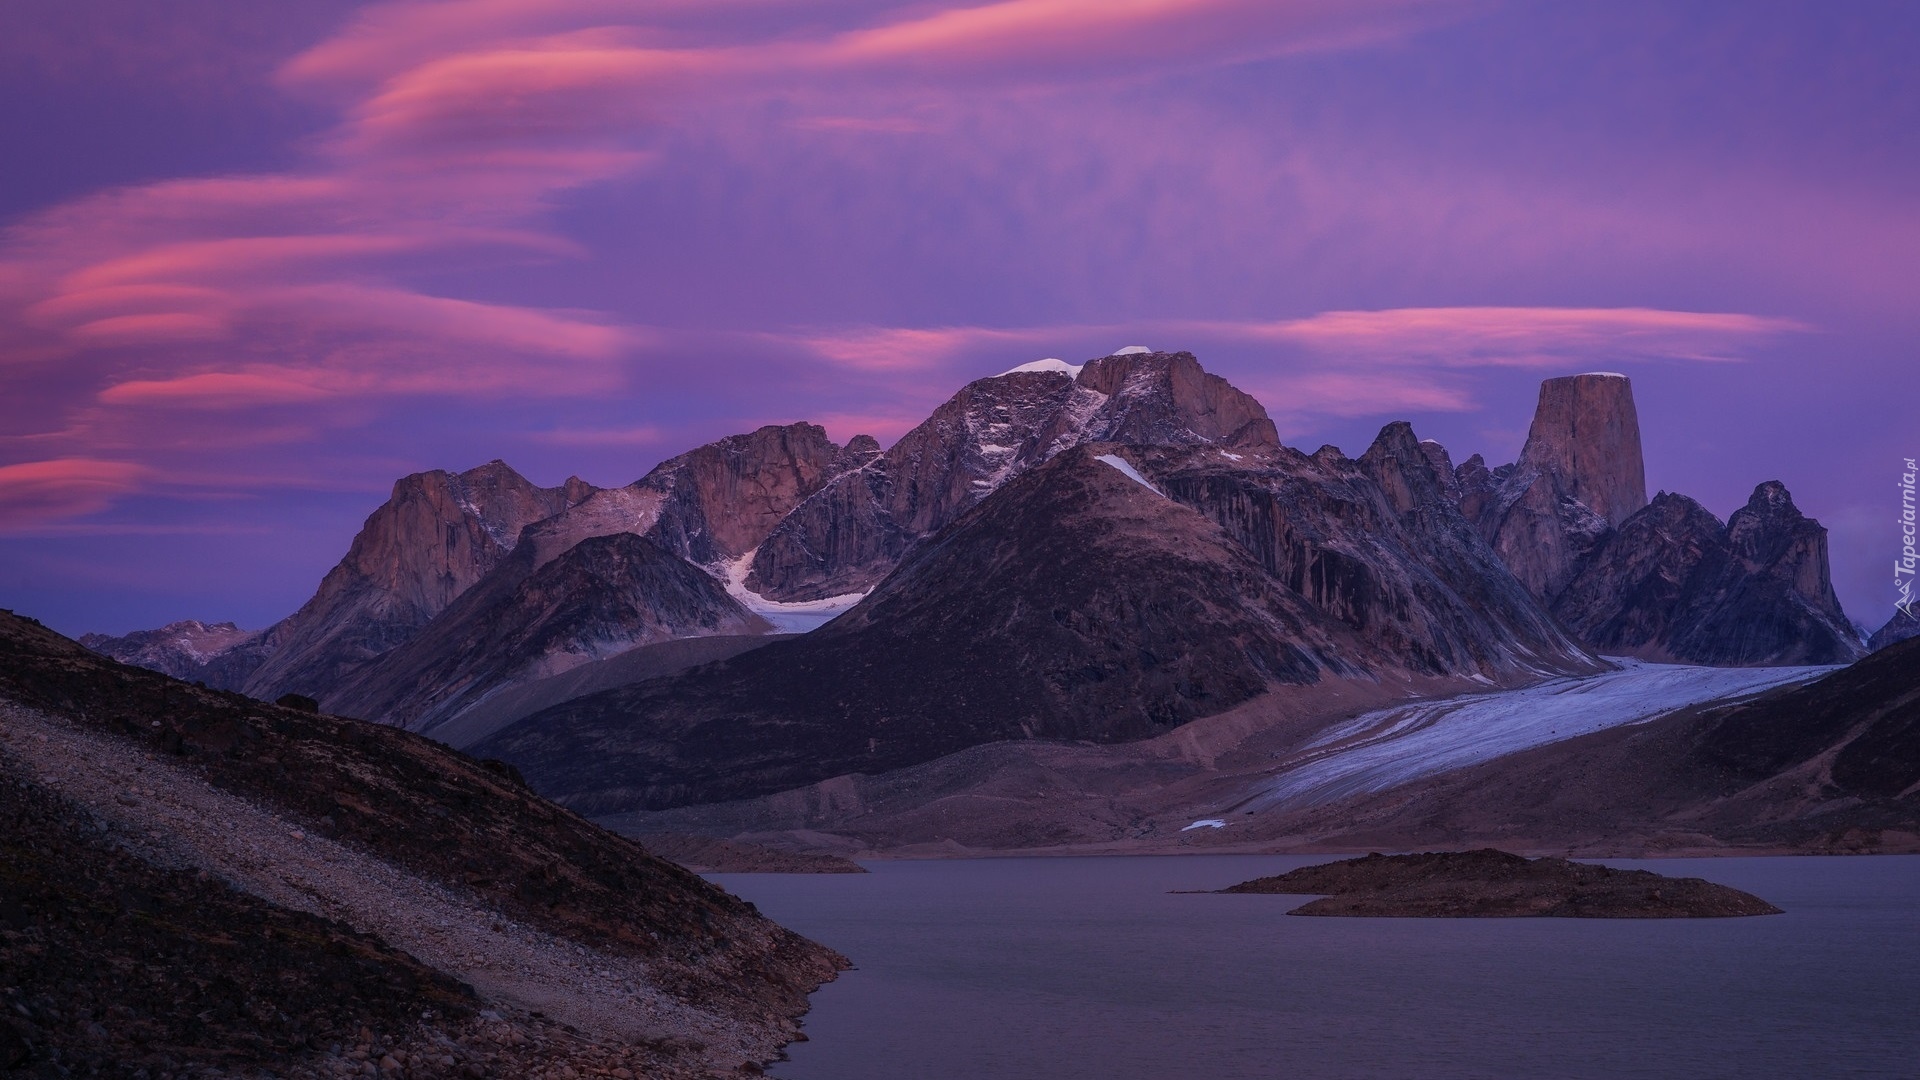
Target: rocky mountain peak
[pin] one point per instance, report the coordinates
(1167, 399)
(1767, 515)
(577, 490)
(725, 497)
(1770, 535)
(181, 649)
(860, 450)
(1586, 433)
(1405, 469)
(1674, 584)
(991, 431)
(437, 535)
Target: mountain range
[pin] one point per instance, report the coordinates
(1098, 553)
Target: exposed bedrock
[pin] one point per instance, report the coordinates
(1673, 583)
(848, 537)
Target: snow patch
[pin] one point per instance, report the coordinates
(1393, 746)
(1601, 375)
(800, 617)
(1206, 823)
(1131, 350)
(1132, 474)
(1051, 363)
(1231, 457)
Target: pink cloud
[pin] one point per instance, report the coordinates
(223, 389)
(461, 126)
(1523, 336)
(642, 435)
(1354, 394)
(1037, 37)
(34, 492)
(907, 349)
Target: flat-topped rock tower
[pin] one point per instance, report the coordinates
(1587, 434)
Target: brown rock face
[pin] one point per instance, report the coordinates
(609, 573)
(713, 503)
(1166, 399)
(440, 534)
(1672, 583)
(722, 499)
(1579, 475)
(601, 597)
(1586, 433)
(436, 536)
(852, 534)
(1076, 603)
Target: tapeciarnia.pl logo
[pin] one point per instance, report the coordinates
(1904, 565)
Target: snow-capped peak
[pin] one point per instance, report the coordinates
(1051, 363)
(1131, 350)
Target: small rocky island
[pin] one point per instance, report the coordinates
(1488, 884)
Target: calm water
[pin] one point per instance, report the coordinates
(1061, 969)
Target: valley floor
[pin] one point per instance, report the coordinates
(1277, 774)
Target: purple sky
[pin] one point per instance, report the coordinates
(259, 260)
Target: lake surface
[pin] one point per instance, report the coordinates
(1088, 968)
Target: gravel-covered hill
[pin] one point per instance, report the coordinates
(187, 864)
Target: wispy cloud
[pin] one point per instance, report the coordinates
(461, 125)
(1523, 336)
(1340, 363)
(35, 492)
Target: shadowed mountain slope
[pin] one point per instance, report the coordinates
(850, 535)
(1079, 603)
(1674, 584)
(598, 598)
(438, 534)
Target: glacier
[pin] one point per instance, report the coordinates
(1402, 743)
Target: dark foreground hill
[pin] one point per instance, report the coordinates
(198, 881)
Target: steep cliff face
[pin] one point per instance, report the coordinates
(1665, 580)
(441, 534)
(712, 504)
(601, 597)
(720, 501)
(435, 537)
(1579, 475)
(850, 535)
(1378, 544)
(1673, 583)
(1586, 432)
(1166, 399)
(1109, 594)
